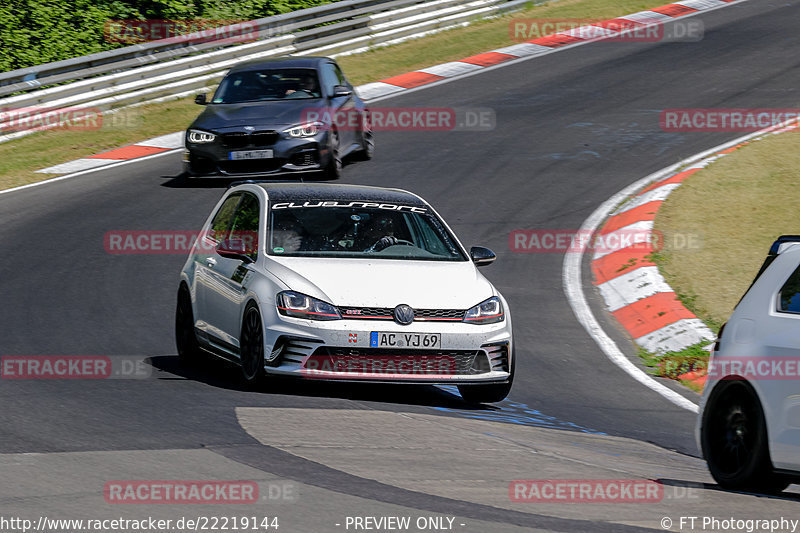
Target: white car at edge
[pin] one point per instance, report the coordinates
(749, 423)
(343, 282)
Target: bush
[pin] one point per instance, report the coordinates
(33, 32)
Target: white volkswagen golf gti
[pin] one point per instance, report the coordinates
(749, 423)
(343, 282)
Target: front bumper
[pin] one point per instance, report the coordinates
(343, 350)
(288, 155)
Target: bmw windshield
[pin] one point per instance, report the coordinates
(268, 84)
(359, 229)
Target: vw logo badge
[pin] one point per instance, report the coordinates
(403, 314)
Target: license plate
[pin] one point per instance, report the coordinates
(386, 339)
(250, 154)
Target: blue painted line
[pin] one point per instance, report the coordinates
(515, 413)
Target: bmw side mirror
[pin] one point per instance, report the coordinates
(235, 248)
(341, 90)
(481, 256)
(200, 99)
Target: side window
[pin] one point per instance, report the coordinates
(789, 296)
(245, 224)
(221, 223)
(329, 78)
(341, 80)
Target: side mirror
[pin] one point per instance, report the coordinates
(341, 90)
(481, 256)
(200, 99)
(235, 248)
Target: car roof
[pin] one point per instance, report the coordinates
(282, 192)
(280, 62)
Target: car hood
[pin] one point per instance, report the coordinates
(385, 282)
(265, 114)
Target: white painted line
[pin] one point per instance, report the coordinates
(656, 195)
(375, 89)
(88, 171)
(170, 140)
(676, 336)
(573, 282)
(637, 233)
(632, 287)
(648, 17)
(702, 4)
(524, 49)
(77, 165)
(588, 32)
(453, 68)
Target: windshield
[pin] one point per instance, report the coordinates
(271, 84)
(357, 229)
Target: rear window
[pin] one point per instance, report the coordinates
(789, 296)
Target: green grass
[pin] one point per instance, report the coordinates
(19, 159)
(672, 365)
(739, 205)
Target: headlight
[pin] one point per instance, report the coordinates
(298, 305)
(201, 137)
(304, 130)
(487, 312)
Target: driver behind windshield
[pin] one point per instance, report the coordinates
(306, 88)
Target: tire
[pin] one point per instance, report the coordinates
(367, 151)
(334, 168)
(251, 345)
(489, 393)
(734, 440)
(189, 351)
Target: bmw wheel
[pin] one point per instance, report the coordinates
(185, 338)
(334, 168)
(252, 346)
(367, 142)
(734, 440)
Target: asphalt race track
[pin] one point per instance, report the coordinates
(572, 129)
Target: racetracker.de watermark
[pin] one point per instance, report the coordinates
(403, 118)
(755, 368)
(40, 118)
(616, 30)
(127, 242)
(23, 367)
(585, 491)
(132, 31)
(724, 120)
(580, 241)
(355, 366)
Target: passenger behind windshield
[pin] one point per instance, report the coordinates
(265, 85)
(354, 232)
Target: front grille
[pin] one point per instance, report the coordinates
(243, 139)
(304, 159)
(387, 313)
(396, 361)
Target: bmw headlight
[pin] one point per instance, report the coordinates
(308, 129)
(201, 137)
(299, 305)
(486, 312)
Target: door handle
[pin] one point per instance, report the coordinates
(211, 262)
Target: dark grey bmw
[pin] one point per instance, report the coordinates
(277, 116)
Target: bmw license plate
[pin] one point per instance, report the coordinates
(243, 155)
(385, 339)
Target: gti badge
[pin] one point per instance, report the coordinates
(249, 128)
(403, 314)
